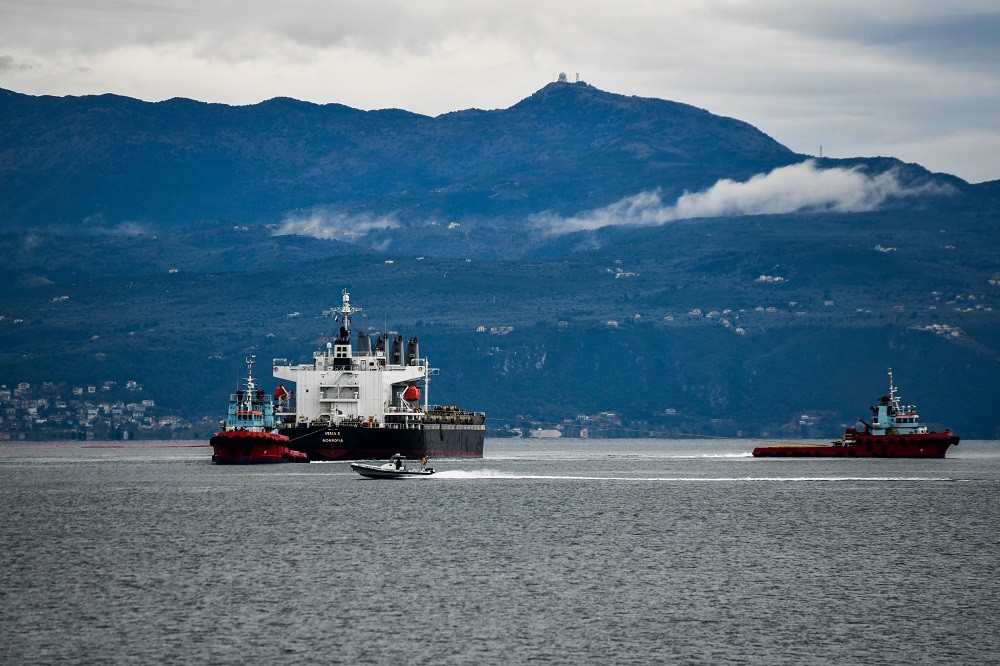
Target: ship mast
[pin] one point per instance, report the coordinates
(346, 310)
(428, 371)
(251, 384)
(893, 399)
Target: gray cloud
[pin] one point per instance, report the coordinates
(385, 27)
(11, 64)
(635, 31)
(800, 187)
(960, 32)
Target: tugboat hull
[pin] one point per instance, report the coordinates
(234, 447)
(927, 445)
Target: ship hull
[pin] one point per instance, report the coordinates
(350, 442)
(236, 447)
(925, 445)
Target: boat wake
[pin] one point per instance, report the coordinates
(496, 474)
(617, 456)
(480, 474)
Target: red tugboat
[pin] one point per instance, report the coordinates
(249, 434)
(895, 432)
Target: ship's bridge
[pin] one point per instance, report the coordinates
(346, 384)
(364, 385)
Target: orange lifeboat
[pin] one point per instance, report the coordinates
(411, 394)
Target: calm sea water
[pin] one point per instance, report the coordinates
(545, 551)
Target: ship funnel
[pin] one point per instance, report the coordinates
(412, 351)
(397, 351)
(364, 344)
(380, 344)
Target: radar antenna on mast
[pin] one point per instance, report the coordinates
(250, 383)
(346, 310)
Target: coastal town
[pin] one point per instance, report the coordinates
(105, 411)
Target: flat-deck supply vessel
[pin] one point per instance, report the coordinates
(364, 402)
(895, 432)
(249, 434)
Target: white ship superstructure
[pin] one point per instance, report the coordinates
(890, 417)
(377, 386)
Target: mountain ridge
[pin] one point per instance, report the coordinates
(107, 160)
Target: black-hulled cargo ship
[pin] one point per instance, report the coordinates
(365, 403)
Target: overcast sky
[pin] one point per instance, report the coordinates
(913, 79)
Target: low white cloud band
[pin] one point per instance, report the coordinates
(801, 187)
(332, 226)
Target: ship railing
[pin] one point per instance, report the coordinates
(464, 425)
(403, 426)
